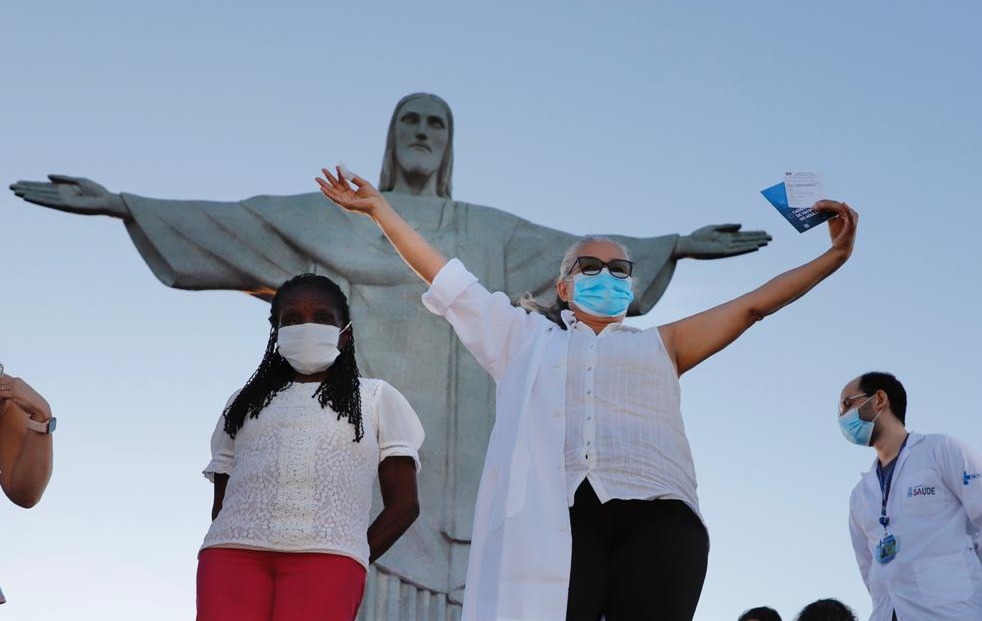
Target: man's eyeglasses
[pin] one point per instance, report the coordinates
(846, 403)
(591, 266)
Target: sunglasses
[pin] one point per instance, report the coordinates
(591, 266)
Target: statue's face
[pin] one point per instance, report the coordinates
(421, 136)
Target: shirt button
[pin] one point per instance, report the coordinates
(589, 368)
(588, 417)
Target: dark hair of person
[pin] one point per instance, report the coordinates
(826, 610)
(761, 613)
(340, 390)
(870, 382)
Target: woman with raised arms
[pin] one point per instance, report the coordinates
(587, 506)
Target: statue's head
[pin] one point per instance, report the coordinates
(419, 145)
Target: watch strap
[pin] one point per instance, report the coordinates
(46, 427)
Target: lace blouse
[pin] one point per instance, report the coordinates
(297, 480)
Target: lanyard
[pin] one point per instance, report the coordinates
(886, 481)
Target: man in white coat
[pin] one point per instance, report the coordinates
(916, 516)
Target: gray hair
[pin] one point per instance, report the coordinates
(387, 178)
(553, 311)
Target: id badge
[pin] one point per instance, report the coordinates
(887, 549)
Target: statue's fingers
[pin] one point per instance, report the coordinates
(727, 228)
(45, 193)
(38, 185)
(752, 236)
(28, 185)
(35, 189)
(46, 199)
(64, 179)
(745, 246)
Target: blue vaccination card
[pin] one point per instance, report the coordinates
(802, 219)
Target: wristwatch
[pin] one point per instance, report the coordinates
(46, 427)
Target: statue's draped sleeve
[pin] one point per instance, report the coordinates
(256, 244)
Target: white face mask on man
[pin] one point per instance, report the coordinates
(309, 347)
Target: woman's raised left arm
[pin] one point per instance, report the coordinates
(694, 339)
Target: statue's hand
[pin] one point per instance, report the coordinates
(74, 195)
(717, 241)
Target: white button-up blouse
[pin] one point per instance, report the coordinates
(624, 429)
(520, 553)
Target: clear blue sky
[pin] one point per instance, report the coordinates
(644, 119)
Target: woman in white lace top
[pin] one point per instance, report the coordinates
(294, 458)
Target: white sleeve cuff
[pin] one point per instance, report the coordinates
(400, 451)
(216, 467)
(451, 281)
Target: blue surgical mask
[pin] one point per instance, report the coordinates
(602, 295)
(855, 429)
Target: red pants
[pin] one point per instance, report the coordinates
(258, 585)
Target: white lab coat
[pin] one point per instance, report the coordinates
(935, 511)
(520, 553)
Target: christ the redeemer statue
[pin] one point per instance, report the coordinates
(255, 244)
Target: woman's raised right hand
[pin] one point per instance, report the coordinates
(363, 198)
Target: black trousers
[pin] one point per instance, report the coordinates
(635, 560)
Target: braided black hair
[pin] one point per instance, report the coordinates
(340, 390)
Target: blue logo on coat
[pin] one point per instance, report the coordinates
(968, 478)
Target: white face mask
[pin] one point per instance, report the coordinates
(309, 347)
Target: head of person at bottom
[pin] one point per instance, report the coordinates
(826, 610)
(594, 283)
(761, 613)
(311, 339)
(873, 409)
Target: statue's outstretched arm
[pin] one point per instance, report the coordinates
(718, 241)
(74, 195)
